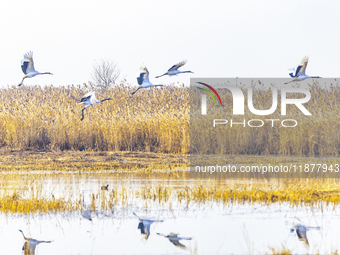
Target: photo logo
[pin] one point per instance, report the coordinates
(213, 90)
(262, 118)
(239, 101)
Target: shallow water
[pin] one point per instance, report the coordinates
(216, 229)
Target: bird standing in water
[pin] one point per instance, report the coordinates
(106, 187)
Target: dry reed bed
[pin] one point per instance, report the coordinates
(153, 120)
(316, 135)
(157, 120)
(28, 198)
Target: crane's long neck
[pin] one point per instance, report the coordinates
(38, 73)
(161, 75)
(105, 99)
(39, 242)
(24, 235)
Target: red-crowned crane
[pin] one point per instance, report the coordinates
(174, 69)
(27, 66)
(143, 80)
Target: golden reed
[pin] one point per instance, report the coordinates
(158, 120)
(155, 120)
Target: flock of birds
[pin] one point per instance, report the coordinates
(27, 66)
(146, 222)
(144, 227)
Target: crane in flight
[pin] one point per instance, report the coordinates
(143, 79)
(30, 244)
(174, 69)
(174, 239)
(300, 72)
(90, 99)
(27, 66)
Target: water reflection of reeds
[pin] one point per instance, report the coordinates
(70, 192)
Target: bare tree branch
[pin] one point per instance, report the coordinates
(105, 73)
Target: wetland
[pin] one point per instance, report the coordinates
(95, 209)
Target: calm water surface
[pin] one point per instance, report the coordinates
(215, 228)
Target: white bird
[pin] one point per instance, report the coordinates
(300, 72)
(143, 79)
(27, 66)
(144, 226)
(174, 69)
(30, 244)
(174, 239)
(90, 99)
(301, 232)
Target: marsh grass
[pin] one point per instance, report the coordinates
(29, 194)
(280, 251)
(158, 120)
(153, 120)
(285, 251)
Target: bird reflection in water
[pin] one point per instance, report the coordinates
(87, 215)
(30, 245)
(174, 239)
(301, 232)
(144, 226)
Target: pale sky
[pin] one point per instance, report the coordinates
(218, 38)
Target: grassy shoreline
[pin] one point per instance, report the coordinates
(48, 160)
(23, 174)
